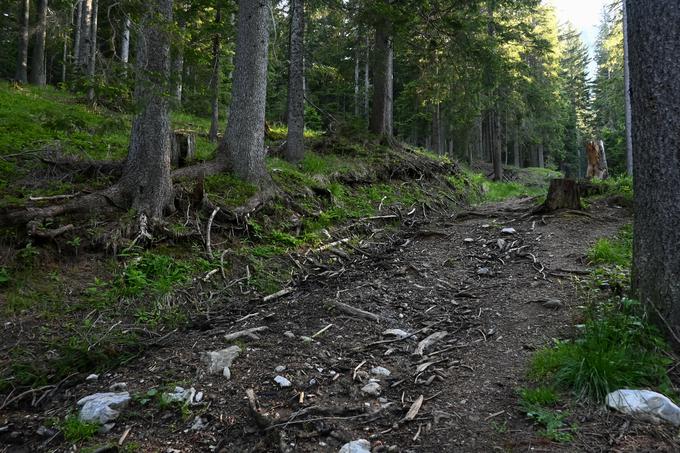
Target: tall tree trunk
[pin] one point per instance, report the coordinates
(146, 181)
(655, 100)
(497, 147)
(38, 70)
(178, 66)
(21, 75)
(356, 80)
(626, 83)
(92, 61)
(436, 134)
(64, 59)
(367, 83)
(215, 81)
(76, 37)
(381, 114)
(295, 146)
(125, 41)
(541, 155)
(516, 148)
(84, 43)
(242, 146)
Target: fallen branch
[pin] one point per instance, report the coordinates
(251, 333)
(277, 294)
(355, 311)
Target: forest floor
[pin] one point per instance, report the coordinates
(455, 274)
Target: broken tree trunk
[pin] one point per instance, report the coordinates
(597, 160)
(562, 194)
(183, 148)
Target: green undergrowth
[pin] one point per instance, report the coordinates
(541, 404)
(619, 186)
(616, 346)
(481, 190)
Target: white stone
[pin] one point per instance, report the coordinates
(396, 332)
(217, 361)
(372, 388)
(380, 371)
(280, 368)
(645, 404)
(102, 407)
(508, 231)
(92, 377)
(282, 381)
(356, 446)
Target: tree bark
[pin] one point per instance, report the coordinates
(515, 146)
(381, 114)
(367, 83)
(38, 73)
(84, 38)
(497, 146)
(295, 146)
(626, 83)
(146, 181)
(655, 102)
(178, 67)
(215, 81)
(541, 155)
(76, 37)
(242, 146)
(356, 80)
(125, 41)
(436, 134)
(92, 60)
(562, 194)
(21, 75)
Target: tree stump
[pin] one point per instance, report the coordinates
(597, 160)
(562, 194)
(183, 148)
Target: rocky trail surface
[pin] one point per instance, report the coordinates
(414, 340)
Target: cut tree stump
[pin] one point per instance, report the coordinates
(562, 194)
(183, 148)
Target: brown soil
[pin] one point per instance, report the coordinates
(423, 277)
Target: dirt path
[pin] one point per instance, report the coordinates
(462, 277)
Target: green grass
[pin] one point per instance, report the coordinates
(618, 185)
(76, 431)
(617, 251)
(617, 346)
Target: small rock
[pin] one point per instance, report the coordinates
(226, 372)
(372, 388)
(289, 334)
(118, 387)
(44, 431)
(380, 371)
(396, 332)
(199, 423)
(306, 339)
(102, 407)
(356, 446)
(199, 397)
(282, 381)
(483, 271)
(468, 240)
(280, 368)
(217, 361)
(313, 382)
(554, 304)
(486, 225)
(508, 231)
(92, 377)
(105, 429)
(180, 394)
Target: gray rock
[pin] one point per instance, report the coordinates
(226, 372)
(483, 271)
(468, 240)
(199, 397)
(396, 332)
(181, 395)
(508, 231)
(280, 368)
(92, 377)
(282, 381)
(102, 407)
(289, 334)
(380, 371)
(217, 361)
(356, 446)
(307, 339)
(372, 388)
(199, 423)
(118, 387)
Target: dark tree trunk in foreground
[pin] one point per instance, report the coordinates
(38, 74)
(215, 80)
(295, 146)
(242, 146)
(146, 182)
(381, 114)
(21, 75)
(655, 78)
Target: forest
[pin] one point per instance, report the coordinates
(338, 225)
